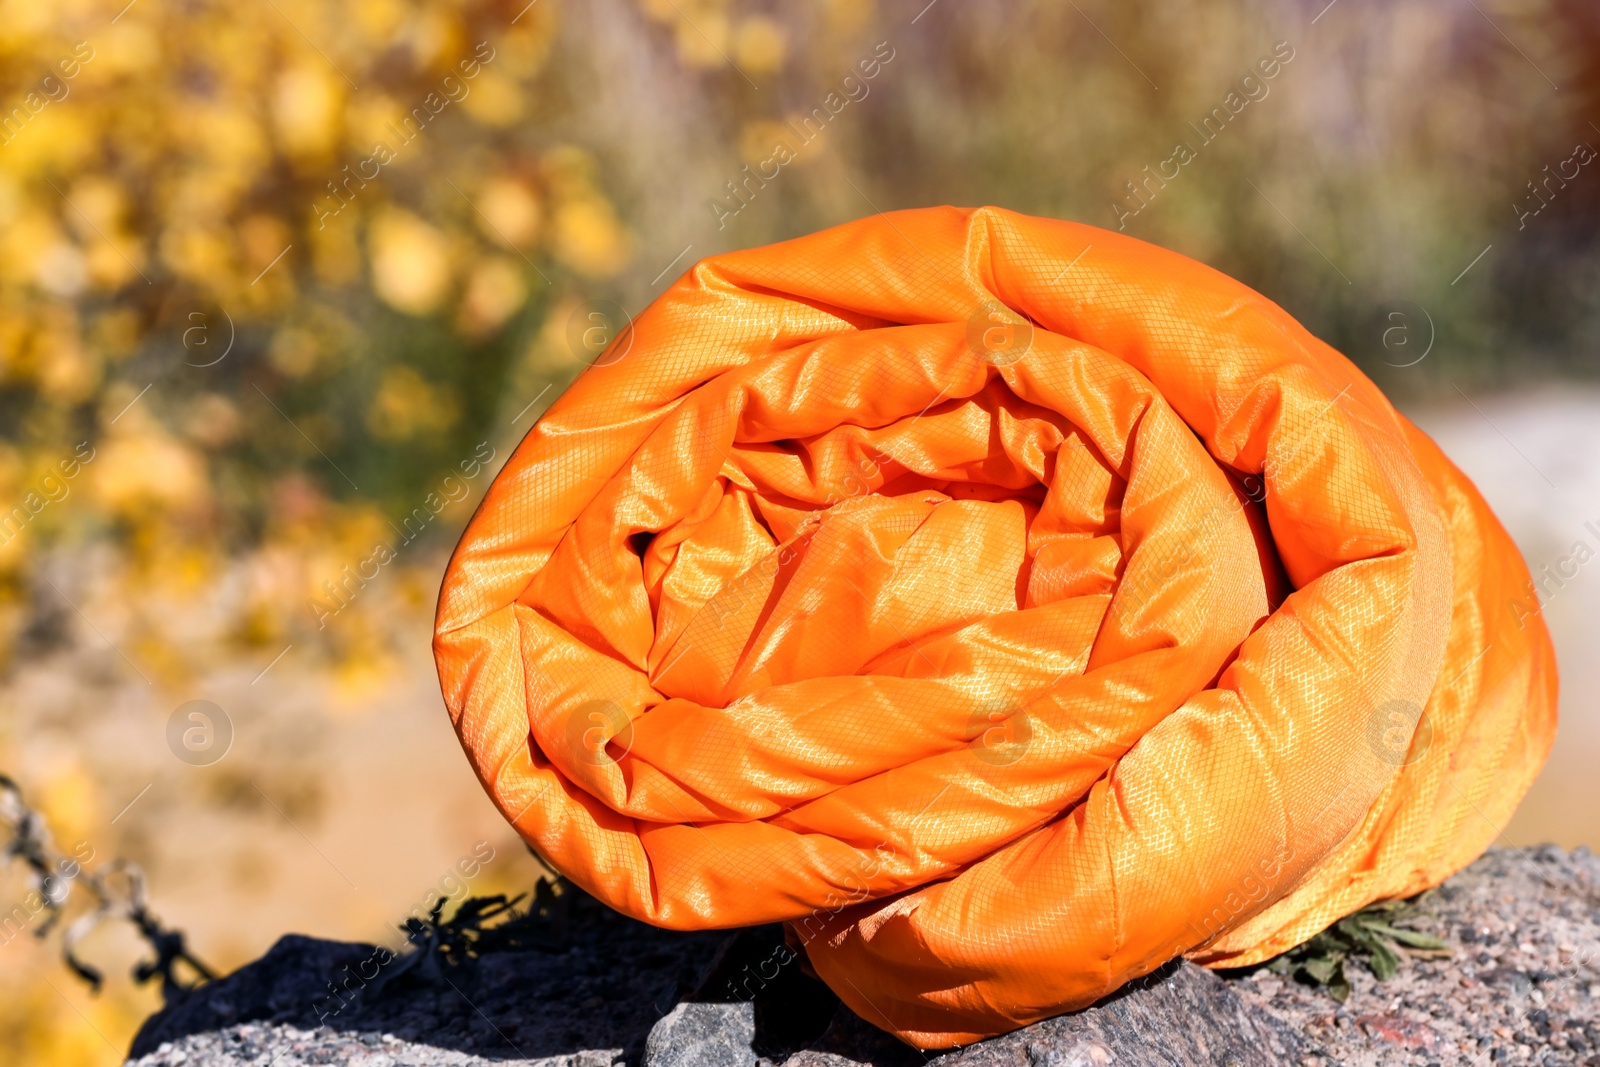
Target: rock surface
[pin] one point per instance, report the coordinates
(1521, 985)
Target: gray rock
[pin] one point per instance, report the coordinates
(699, 1034)
(1521, 985)
(1183, 1015)
(1180, 1016)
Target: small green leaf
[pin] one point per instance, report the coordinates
(1366, 939)
(1413, 938)
(1369, 936)
(1339, 988)
(1385, 961)
(1321, 968)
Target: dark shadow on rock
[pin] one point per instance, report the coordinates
(602, 985)
(584, 982)
(855, 1040)
(736, 997)
(791, 1008)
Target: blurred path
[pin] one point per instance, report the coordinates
(1536, 458)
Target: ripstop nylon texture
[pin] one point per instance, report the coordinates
(1007, 604)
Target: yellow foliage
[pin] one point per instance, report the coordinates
(495, 100)
(380, 18)
(759, 45)
(220, 226)
(509, 212)
(495, 290)
(69, 800)
(144, 468)
(589, 238)
(406, 405)
(41, 1023)
(410, 262)
(264, 238)
(295, 351)
(849, 16)
(67, 372)
(335, 255)
(212, 420)
(131, 47)
(703, 40)
(759, 139)
(369, 117)
(196, 253)
(305, 107)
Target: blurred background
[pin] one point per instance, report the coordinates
(282, 283)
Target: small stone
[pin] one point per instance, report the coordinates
(703, 1034)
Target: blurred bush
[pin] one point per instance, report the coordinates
(266, 273)
(271, 272)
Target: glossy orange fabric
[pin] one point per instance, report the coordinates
(1007, 604)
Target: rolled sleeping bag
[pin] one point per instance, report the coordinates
(1008, 605)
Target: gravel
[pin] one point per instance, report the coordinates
(1522, 984)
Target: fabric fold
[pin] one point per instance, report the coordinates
(1008, 605)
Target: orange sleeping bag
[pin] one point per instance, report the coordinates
(1008, 605)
